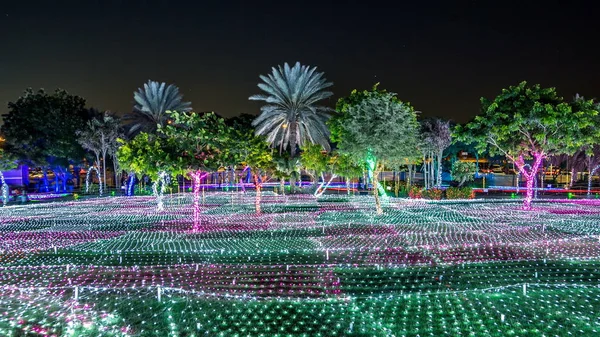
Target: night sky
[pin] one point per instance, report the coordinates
(441, 56)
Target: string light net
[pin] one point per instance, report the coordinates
(302, 267)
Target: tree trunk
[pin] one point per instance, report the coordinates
(324, 188)
(529, 176)
(590, 178)
(439, 173)
(409, 176)
(348, 185)
(424, 169)
(293, 138)
(431, 170)
(397, 185)
(258, 187)
(117, 173)
(589, 187)
(282, 185)
(376, 189)
(529, 193)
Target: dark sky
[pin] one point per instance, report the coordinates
(439, 55)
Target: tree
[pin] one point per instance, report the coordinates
(200, 142)
(314, 161)
(147, 154)
(244, 146)
(287, 168)
(377, 128)
(40, 130)
(347, 168)
(152, 103)
(436, 137)
(100, 137)
(530, 123)
(7, 161)
(291, 116)
(463, 171)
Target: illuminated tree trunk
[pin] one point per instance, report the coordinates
(529, 176)
(431, 170)
(323, 187)
(197, 177)
(258, 187)
(439, 171)
(409, 176)
(573, 175)
(590, 176)
(348, 185)
(376, 172)
(425, 184)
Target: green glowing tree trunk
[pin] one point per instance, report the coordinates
(378, 169)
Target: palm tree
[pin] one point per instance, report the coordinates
(291, 116)
(152, 102)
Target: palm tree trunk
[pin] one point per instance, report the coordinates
(293, 138)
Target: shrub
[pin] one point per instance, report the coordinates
(415, 192)
(463, 172)
(433, 194)
(460, 193)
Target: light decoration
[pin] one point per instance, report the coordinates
(159, 192)
(302, 267)
(590, 176)
(5, 189)
(131, 184)
(87, 179)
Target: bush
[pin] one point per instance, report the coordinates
(460, 193)
(463, 172)
(402, 190)
(433, 194)
(415, 192)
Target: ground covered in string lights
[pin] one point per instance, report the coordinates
(303, 267)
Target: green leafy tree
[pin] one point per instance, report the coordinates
(530, 123)
(314, 160)
(379, 129)
(463, 171)
(152, 103)
(40, 130)
(287, 168)
(200, 142)
(7, 161)
(245, 147)
(147, 154)
(347, 168)
(291, 117)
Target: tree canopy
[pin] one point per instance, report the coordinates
(40, 128)
(292, 116)
(530, 122)
(376, 127)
